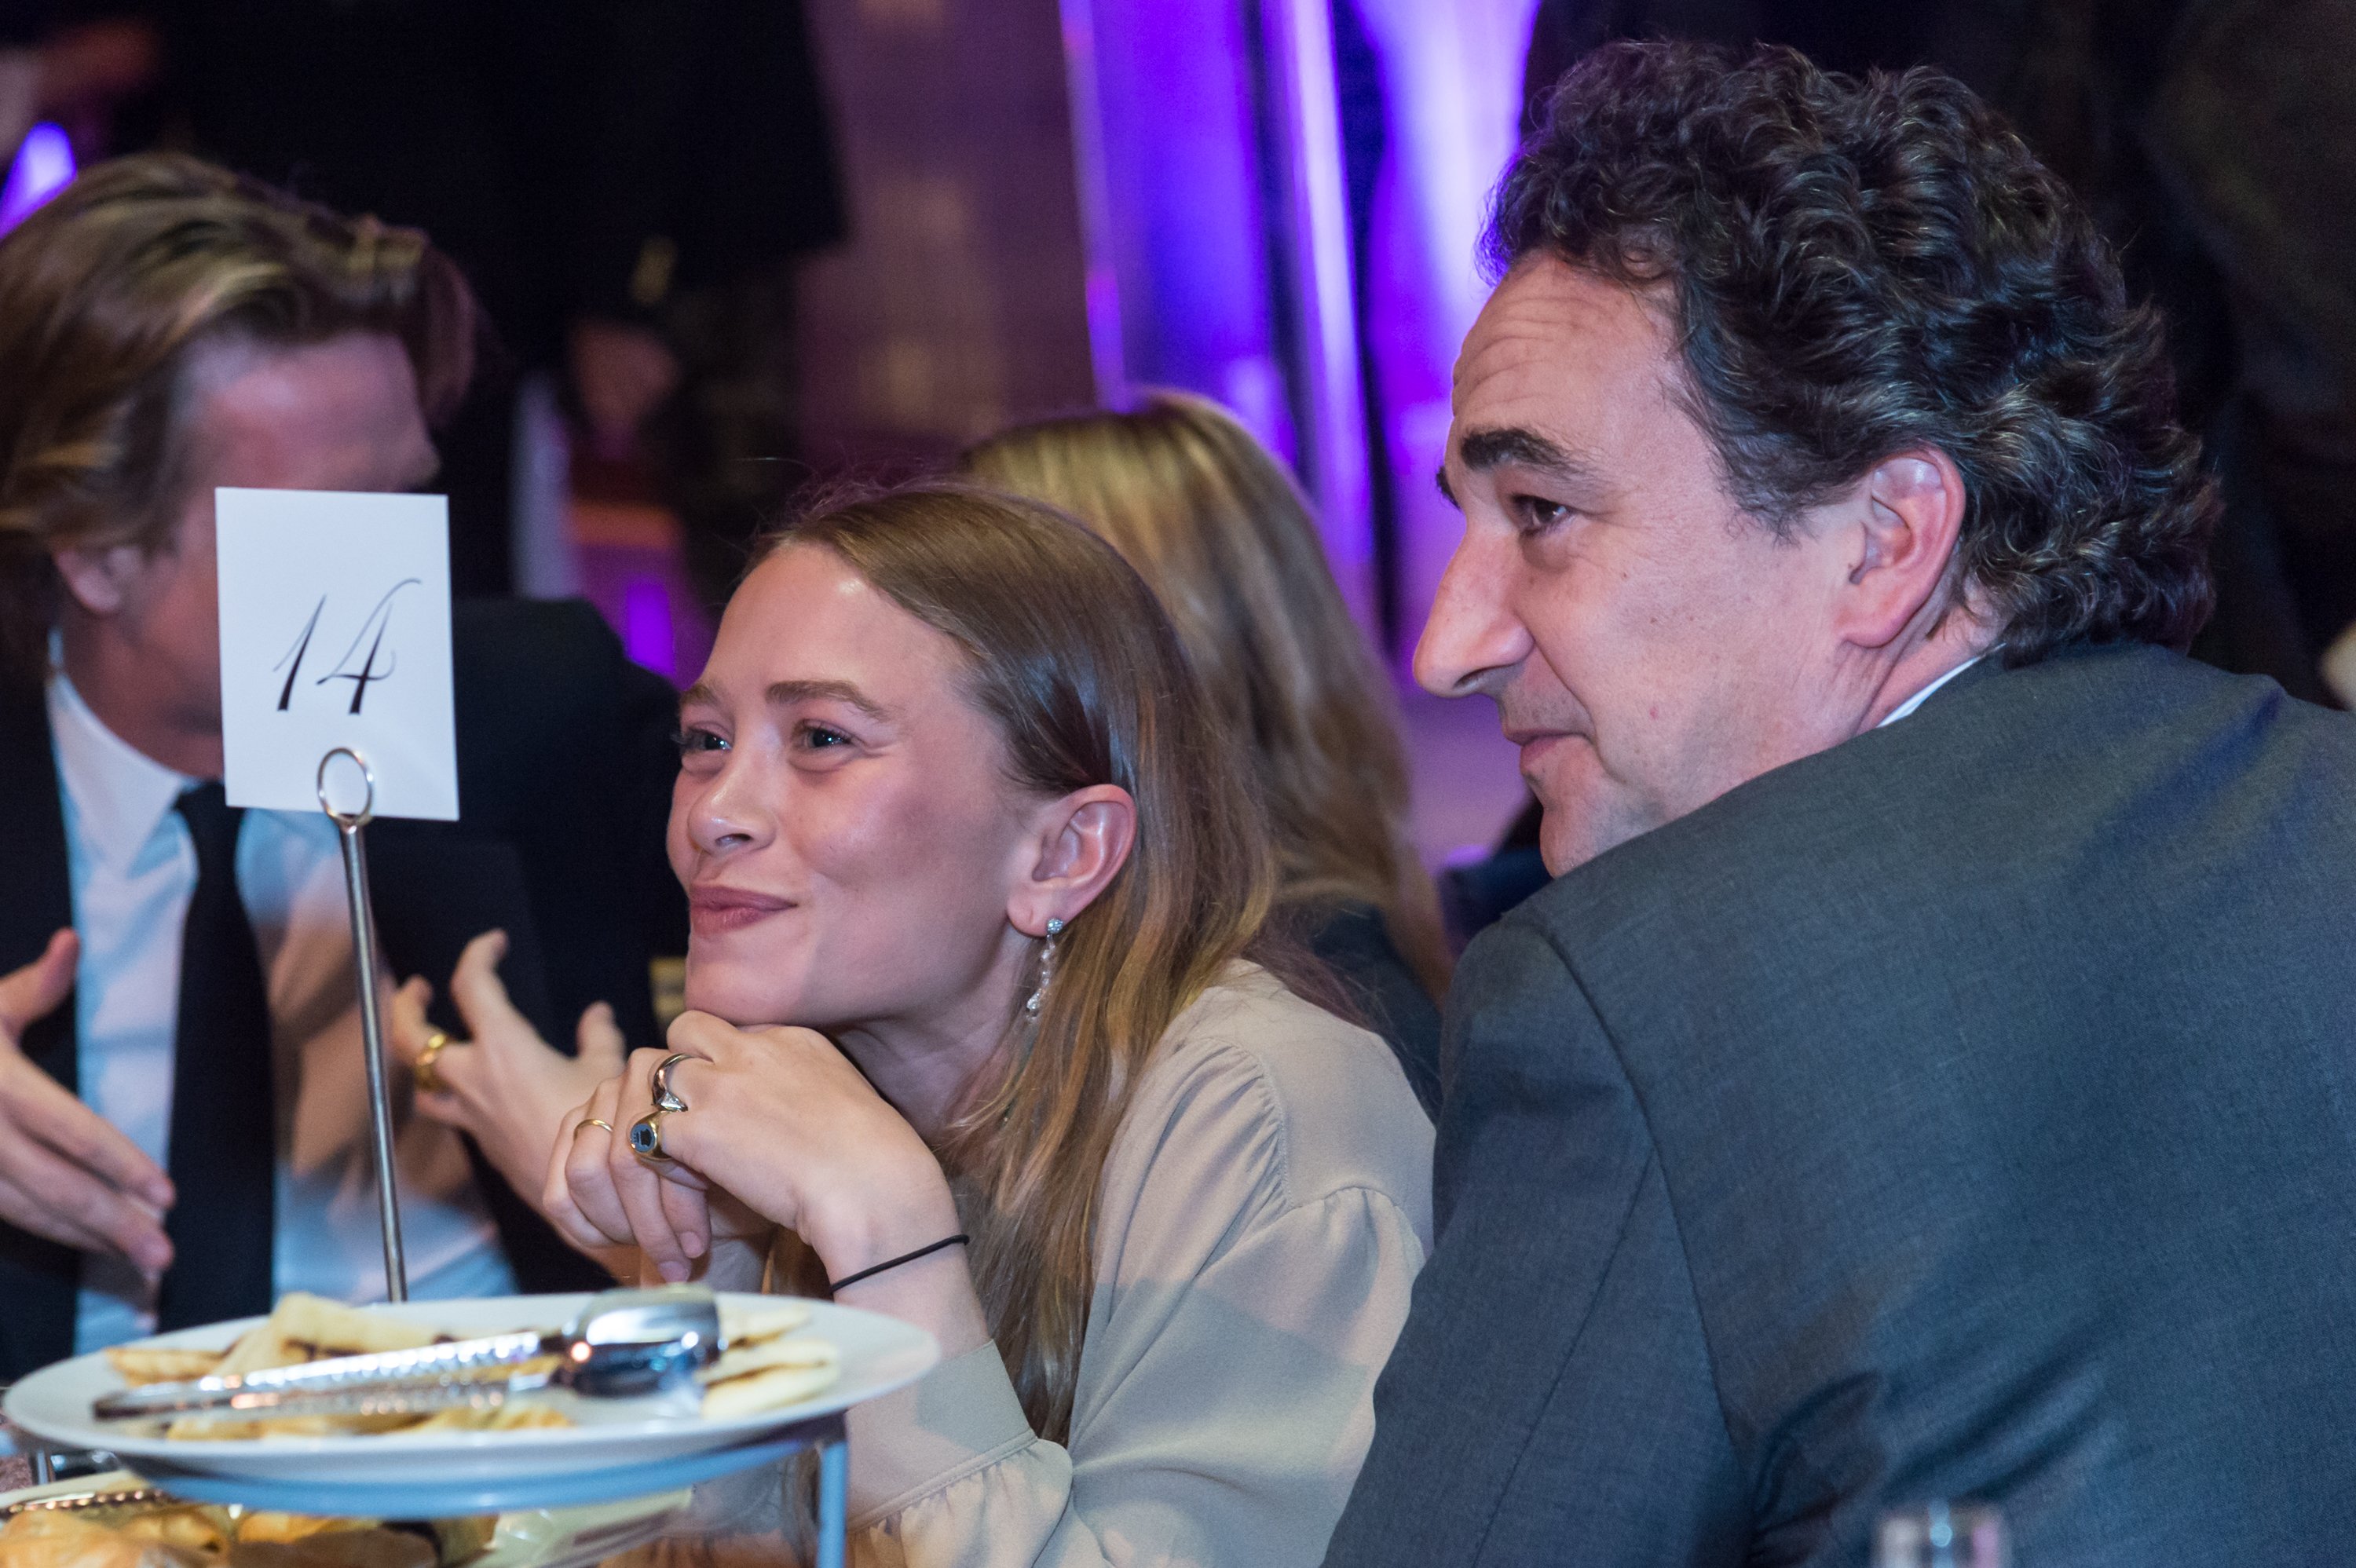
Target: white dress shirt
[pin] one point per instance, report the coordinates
(134, 870)
(1907, 708)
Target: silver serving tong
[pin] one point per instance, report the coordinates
(641, 1345)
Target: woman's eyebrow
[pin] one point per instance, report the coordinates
(840, 691)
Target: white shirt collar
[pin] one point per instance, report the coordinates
(120, 795)
(1923, 696)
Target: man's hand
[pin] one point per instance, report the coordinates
(504, 1086)
(65, 1172)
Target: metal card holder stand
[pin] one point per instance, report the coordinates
(834, 1489)
(828, 1436)
(356, 889)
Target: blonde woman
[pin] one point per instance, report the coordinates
(1219, 531)
(978, 1039)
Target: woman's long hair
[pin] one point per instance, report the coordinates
(1070, 656)
(1220, 531)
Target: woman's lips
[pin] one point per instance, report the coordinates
(712, 910)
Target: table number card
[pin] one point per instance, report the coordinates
(335, 631)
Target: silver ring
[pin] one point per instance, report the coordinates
(666, 1097)
(367, 812)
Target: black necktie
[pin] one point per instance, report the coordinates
(224, 1132)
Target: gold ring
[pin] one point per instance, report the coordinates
(645, 1137)
(591, 1122)
(427, 1079)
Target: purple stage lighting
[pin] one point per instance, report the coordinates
(44, 166)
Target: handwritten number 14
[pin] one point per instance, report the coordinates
(373, 632)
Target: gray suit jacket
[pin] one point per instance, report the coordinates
(1967, 1111)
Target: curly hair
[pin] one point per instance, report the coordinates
(1858, 268)
(107, 293)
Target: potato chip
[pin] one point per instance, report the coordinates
(764, 1390)
(268, 1524)
(371, 1547)
(766, 1319)
(306, 1327)
(799, 1351)
(202, 1531)
(224, 1429)
(47, 1537)
(515, 1415)
(138, 1365)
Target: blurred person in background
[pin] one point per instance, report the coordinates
(1224, 537)
(73, 73)
(627, 187)
(183, 1129)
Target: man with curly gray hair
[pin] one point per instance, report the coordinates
(1928, 1076)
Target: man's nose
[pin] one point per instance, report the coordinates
(1473, 638)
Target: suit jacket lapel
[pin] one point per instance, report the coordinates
(37, 1278)
(434, 890)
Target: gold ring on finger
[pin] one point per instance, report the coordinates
(591, 1122)
(666, 1097)
(423, 1070)
(645, 1137)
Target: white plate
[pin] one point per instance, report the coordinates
(539, 1537)
(410, 1475)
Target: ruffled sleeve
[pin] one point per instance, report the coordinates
(1252, 1274)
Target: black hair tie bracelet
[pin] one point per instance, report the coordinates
(924, 1251)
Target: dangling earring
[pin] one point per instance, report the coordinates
(1046, 971)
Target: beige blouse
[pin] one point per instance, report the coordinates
(1266, 1206)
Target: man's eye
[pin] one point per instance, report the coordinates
(691, 741)
(1536, 514)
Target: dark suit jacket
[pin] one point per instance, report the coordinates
(1968, 1111)
(564, 786)
(1348, 937)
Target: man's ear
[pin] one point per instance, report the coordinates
(1903, 520)
(1079, 844)
(100, 579)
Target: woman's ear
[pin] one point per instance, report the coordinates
(1081, 843)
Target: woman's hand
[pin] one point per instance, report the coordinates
(778, 1119)
(505, 1087)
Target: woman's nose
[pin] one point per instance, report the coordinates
(1473, 638)
(731, 811)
